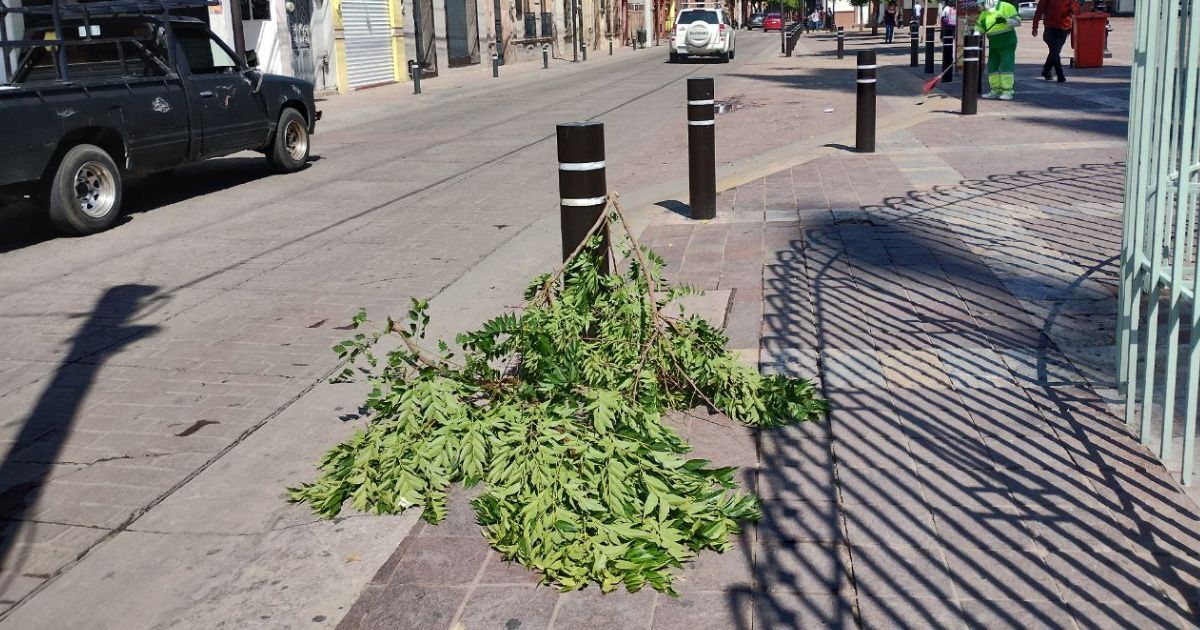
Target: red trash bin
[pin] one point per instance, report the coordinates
(1087, 38)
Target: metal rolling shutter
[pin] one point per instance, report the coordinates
(368, 42)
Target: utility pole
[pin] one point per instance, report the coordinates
(239, 35)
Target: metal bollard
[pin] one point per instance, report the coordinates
(914, 43)
(545, 56)
(414, 70)
(970, 88)
(495, 66)
(583, 49)
(864, 119)
(841, 35)
(929, 50)
(702, 152)
(582, 187)
(610, 47)
(947, 57)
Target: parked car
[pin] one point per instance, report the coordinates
(128, 92)
(703, 33)
(755, 21)
(773, 22)
(1026, 10)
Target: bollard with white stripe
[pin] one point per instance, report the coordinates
(970, 88)
(582, 186)
(864, 124)
(914, 43)
(841, 35)
(702, 151)
(545, 56)
(495, 66)
(947, 55)
(414, 70)
(929, 49)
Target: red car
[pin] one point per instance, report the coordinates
(773, 22)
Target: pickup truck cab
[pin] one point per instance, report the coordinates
(703, 33)
(136, 94)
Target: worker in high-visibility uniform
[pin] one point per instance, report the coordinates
(999, 20)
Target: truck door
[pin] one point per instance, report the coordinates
(232, 117)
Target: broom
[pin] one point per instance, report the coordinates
(932, 83)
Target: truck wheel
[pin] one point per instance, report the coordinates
(85, 194)
(289, 149)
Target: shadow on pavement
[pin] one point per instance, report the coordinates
(979, 478)
(35, 450)
(22, 224)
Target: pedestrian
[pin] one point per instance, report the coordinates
(814, 20)
(917, 12)
(889, 21)
(949, 18)
(998, 22)
(1059, 16)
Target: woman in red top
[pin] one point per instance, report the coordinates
(1058, 15)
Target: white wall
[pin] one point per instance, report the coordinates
(322, 45)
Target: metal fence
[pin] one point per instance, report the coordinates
(1159, 279)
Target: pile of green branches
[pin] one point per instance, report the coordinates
(556, 410)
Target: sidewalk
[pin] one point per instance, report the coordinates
(951, 293)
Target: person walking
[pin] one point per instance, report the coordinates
(949, 18)
(1059, 16)
(917, 12)
(998, 21)
(889, 21)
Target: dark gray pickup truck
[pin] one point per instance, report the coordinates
(116, 92)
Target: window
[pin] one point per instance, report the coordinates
(687, 17)
(139, 52)
(204, 53)
(256, 9)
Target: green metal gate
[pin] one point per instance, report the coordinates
(1159, 279)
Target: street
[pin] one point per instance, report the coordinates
(163, 382)
(149, 351)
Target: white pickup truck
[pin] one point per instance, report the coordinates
(703, 33)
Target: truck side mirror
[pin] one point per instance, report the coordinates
(251, 59)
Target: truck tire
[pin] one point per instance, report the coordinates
(84, 196)
(288, 151)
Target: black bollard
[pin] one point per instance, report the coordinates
(970, 88)
(914, 43)
(610, 47)
(947, 56)
(582, 187)
(864, 121)
(702, 152)
(414, 69)
(545, 56)
(841, 35)
(929, 49)
(495, 66)
(583, 49)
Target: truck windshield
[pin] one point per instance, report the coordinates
(687, 17)
(204, 53)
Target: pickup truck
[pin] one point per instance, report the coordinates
(134, 94)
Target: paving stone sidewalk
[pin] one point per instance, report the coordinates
(950, 294)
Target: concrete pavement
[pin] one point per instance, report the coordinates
(946, 292)
(167, 380)
(969, 476)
